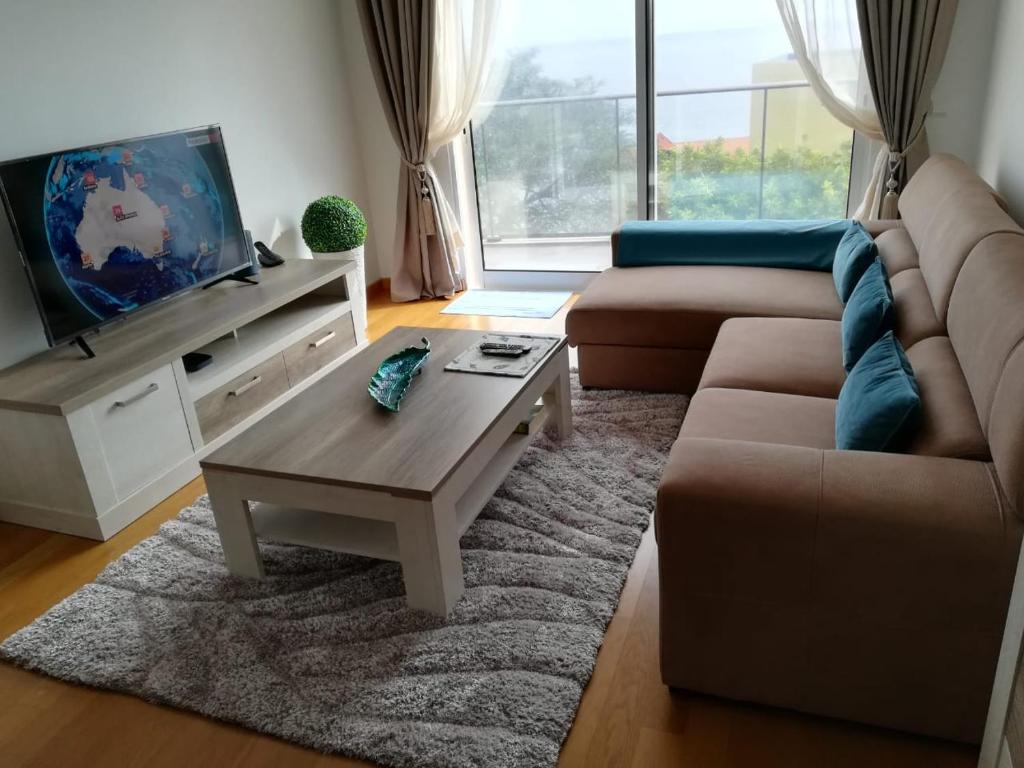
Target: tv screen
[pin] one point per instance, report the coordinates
(106, 230)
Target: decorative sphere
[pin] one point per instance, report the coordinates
(333, 224)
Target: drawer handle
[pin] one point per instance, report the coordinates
(135, 398)
(320, 342)
(246, 387)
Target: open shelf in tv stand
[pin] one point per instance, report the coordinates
(93, 443)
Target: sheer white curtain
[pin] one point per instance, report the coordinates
(467, 70)
(464, 65)
(825, 35)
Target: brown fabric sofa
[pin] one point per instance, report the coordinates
(868, 586)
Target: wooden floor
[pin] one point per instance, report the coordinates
(627, 717)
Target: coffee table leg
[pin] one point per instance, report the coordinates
(234, 526)
(559, 397)
(428, 545)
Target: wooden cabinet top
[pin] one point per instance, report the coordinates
(62, 379)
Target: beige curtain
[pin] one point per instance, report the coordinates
(904, 44)
(825, 35)
(430, 59)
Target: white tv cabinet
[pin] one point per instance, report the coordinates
(89, 445)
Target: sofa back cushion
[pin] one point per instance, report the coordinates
(1006, 430)
(986, 328)
(948, 209)
(949, 425)
(867, 315)
(879, 404)
(897, 250)
(915, 315)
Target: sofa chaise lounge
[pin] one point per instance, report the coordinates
(863, 585)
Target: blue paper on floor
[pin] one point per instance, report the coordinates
(541, 304)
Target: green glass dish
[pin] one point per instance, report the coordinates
(394, 375)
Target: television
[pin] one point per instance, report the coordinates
(109, 229)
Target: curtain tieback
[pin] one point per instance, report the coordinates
(897, 158)
(422, 171)
(889, 205)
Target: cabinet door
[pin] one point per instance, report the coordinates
(142, 431)
(241, 397)
(307, 356)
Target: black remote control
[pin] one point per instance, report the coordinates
(503, 350)
(266, 256)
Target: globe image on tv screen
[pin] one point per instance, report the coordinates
(131, 224)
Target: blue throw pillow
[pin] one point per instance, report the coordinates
(854, 254)
(879, 404)
(867, 315)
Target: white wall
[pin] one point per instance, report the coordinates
(1001, 156)
(958, 101)
(272, 73)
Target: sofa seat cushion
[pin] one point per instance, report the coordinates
(897, 251)
(949, 423)
(683, 307)
(790, 355)
(761, 417)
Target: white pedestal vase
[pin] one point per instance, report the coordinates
(357, 283)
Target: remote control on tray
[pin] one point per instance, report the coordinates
(503, 350)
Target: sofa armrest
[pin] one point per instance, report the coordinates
(875, 227)
(794, 244)
(896, 537)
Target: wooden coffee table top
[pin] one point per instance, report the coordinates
(335, 433)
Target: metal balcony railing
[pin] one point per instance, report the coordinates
(582, 155)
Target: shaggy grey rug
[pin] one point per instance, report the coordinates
(324, 652)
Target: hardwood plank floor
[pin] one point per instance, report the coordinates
(627, 718)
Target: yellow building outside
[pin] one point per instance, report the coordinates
(795, 117)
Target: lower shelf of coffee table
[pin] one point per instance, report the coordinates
(322, 530)
(493, 475)
(378, 538)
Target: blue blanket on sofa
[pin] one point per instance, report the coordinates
(758, 243)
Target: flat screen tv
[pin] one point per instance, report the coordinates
(109, 229)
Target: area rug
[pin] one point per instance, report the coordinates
(324, 651)
(542, 304)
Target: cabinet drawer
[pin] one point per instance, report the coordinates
(306, 357)
(142, 430)
(241, 397)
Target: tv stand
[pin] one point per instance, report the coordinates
(236, 278)
(91, 444)
(84, 346)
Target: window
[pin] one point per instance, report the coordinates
(735, 132)
(739, 133)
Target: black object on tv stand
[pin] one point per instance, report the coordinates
(84, 346)
(237, 278)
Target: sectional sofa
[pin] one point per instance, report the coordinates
(862, 585)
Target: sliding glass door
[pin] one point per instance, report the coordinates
(724, 128)
(739, 133)
(555, 156)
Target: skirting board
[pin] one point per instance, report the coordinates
(379, 289)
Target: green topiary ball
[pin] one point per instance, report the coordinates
(333, 224)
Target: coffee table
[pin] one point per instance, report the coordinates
(332, 469)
